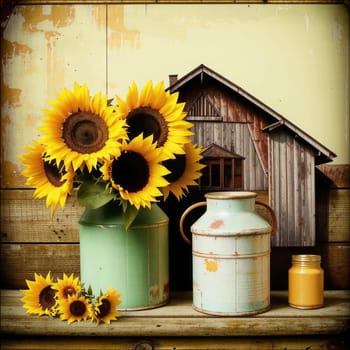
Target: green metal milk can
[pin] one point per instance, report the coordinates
(134, 261)
(231, 255)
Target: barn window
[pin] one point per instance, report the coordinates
(223, 171)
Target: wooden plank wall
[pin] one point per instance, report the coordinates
(292, 169)
(31, 242)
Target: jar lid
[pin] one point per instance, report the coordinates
(306, 258)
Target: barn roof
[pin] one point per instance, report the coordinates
(322, 153)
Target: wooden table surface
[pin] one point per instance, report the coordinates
(178, 319)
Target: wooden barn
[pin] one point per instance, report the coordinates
(249, 146)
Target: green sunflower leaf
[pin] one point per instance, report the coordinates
(129, 213)
(89, 290)
(93, 195)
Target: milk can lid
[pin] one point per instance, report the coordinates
(230, 195)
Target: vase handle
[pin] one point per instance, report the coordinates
(183, 216)
(273, 216)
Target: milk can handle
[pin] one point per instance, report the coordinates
(183, 216)
(201, 204)
(273, 216)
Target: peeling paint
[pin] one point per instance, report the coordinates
(59, 15)
(12, 49)
(11, 96)
(118, 34)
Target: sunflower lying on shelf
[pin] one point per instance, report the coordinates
(135, 152)
(67, 299)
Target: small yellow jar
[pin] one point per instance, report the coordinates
(305, 282)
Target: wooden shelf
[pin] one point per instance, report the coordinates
(178, 319)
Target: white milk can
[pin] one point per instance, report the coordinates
(231, 255)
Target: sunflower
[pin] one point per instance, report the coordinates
(137, 173)
(81, 130)
(185, 170)
(106, 307)
(156, 112)
(50, 181)
(74, 308)
(40, 298)
(67, 286)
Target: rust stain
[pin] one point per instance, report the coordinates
(119, 34)
(49, 20)
(12, 49)
(11, 96)
(59, 15)
(211, 265)
(99, 12)
(51, 37)
(154, 291)
(166, 288)
(217, 224)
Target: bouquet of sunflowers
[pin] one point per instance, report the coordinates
(135, 151)
(67, 299)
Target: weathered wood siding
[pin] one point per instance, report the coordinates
(223, 118)
(236, 138)
(292, 190)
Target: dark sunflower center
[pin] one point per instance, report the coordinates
(85, 132)
(77, 308)
(47, 298)
(150, 122)
(177, 167)
(53, 173)
(104, 308)
(130, 171)
(68, 291)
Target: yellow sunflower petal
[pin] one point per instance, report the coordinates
(191, 171)
(156, 112)
(146, 94)
(81, 130)
(39, 298)
(106, 307)
(137, 174)
(74, 308)
(67, 286)
(45, 177)
(132, 97)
